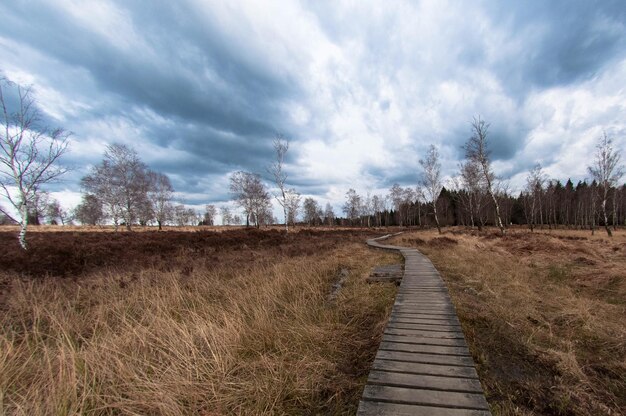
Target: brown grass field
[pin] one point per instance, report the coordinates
(240, 321)
(544, 315)
(180, 323)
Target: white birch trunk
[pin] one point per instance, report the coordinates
(23, 226)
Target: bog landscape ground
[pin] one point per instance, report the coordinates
(266, 322)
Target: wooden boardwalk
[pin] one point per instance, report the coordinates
(423, 365)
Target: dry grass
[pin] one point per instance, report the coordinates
(252, 332)
(544, 314)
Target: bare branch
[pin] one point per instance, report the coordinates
(29, 153)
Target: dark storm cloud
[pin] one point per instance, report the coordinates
(241, 100)
(563, 41)
(212, 151)
(207, 99)
(173, 86)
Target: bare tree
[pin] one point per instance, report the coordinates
(504, 201)
(209, 215)
(250, 194)
(378, 206)
(311, 211)
(477, 151)
(38, 208)
(266, 215)
(419, 197)
(431, 179)
(606, 171)
(184, 216)
(29, 153)
(54, 212)
(534, 188)
(160, 195)
(366, 209)
(475, 193)
(280, 177)
(227, 217)
(292, 200)
(396, 196)
(329, 214)
(122, 182)
(180, 215)
(616, 197)
(89, 211)
(352, 206)
(145, 213)
(408, 200)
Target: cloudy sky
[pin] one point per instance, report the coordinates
(199, 88)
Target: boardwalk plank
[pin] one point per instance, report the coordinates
(421, 368)
(421, 381)
(423, 333)
(396, 409)
(423, 348)
(405, 319)
(428, 317)
(403, 395)
(415, 339)
(431, 328)
(425, 358)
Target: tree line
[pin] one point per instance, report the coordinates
(476, 197)
(123, 190)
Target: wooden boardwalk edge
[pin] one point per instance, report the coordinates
(423, 365)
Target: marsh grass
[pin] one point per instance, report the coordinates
(251, 335)
(542, 315)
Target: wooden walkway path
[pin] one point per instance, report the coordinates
(423, 366)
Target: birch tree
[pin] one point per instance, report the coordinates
(184, 216)
(396, 196)
(311, 211)
(122, 182)
(266, 215)
(250, 194)
(209, 214)
(474, 185)
(606, 171)
(227, 217)
(38, 207)
(160, 195)
(329, 214)
(54, 212)
(419, 197)
(352, 205)
(534, 189)
(89, 211)
(477, 151)
(29, 152)
(431, 179)
(292, 202)
(378, 206)
(367, 209)
(276, 169)
(408, 200)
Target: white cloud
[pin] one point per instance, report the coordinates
(370, 86)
